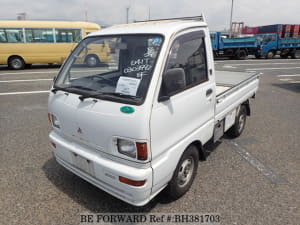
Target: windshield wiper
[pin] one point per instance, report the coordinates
(119, 95)
(82, 97)
(71, 88)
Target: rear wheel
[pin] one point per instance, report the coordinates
(296, 54)
(239, 124)
(241, 54)
(92, 60)
(185, 173)
(16, 63)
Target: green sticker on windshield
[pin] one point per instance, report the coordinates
(127, 109)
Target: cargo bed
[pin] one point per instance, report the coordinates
(232, 88)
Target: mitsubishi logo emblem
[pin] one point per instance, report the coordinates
(79, 131)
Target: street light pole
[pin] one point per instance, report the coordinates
(230, 34)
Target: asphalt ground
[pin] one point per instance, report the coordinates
(253, 179)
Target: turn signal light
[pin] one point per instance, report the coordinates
(136, 183)
(142, 151)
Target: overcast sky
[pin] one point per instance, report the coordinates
(252, 12)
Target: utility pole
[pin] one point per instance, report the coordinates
(85, 11)
(86, 15)
(230, 34)
(149, 13)
(127, 14)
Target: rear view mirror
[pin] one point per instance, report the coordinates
(173, 81)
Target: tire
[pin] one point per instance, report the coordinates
(92, 60)
(241, 55)
(270, 55)
(296, 54)
(16, 63)
(185, 173)
(239, 124)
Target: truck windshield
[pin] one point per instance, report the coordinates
(116, 68)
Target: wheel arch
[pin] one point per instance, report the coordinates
(199, 146)
(247, 105)
(12, 56)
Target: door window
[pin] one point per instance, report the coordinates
(186, 66)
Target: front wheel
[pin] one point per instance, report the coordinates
(270, 55)
(16, 63)
(239, 124)
(185, 173)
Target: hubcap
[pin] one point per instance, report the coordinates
(185, 172)
(92, 61)
(16, 63)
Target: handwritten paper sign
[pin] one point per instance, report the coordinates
(127, 85)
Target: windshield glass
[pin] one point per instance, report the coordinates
(117, 68)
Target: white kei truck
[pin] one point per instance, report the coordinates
(138, 124)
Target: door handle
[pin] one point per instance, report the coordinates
(209, 92)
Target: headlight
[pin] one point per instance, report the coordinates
(55, 122)
(126, 147)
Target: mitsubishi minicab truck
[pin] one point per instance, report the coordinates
(138, 124)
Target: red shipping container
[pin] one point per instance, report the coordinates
(295, 30)
(288, 28)
(250, 30)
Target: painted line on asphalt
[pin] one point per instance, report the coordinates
(53, 71)
(257, 60)
(294, 82)
(229, 66)
(285, 79)
(6, 74)
(16, 81)
(24, 92)
(267, 172)
(289, 75)
(282, 68)
(255, 64)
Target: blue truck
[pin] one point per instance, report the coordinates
(272, 44)
(238, 48)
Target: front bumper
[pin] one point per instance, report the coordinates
(103, 172)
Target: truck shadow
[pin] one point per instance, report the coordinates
(89, 196)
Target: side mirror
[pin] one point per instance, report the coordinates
(173, 81)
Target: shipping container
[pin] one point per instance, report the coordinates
(250, 30)
(276, 28)
(295, 30)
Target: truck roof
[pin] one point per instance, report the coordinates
(164, 27)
